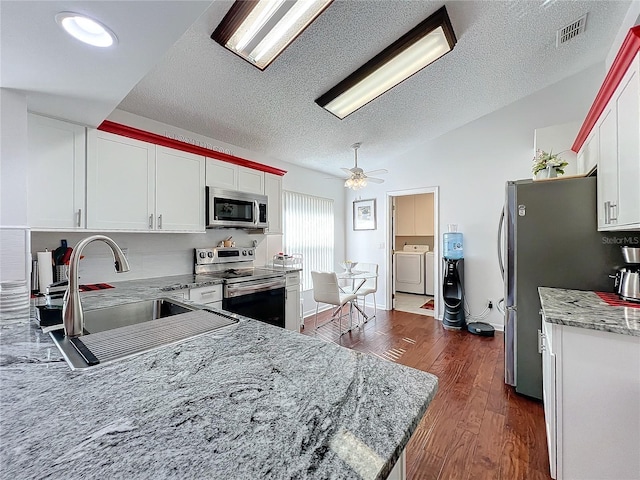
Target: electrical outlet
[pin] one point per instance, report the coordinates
(489, 304)
(125, 250)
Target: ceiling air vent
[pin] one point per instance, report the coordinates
(570, 31)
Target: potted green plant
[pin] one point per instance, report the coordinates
(548, 165)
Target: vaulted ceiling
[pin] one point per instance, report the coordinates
(506, 50)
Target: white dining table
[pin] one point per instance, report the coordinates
(358, 279)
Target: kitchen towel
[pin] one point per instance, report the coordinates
(45, 270)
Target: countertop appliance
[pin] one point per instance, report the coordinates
(551, 239)
(628, 277)
(256, 293)
(409, 264)
(226, 208)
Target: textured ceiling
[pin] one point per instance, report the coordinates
(505, 51)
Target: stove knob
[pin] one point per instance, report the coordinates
(244, 253)
(210, 254)
(250, 252)
(203, 254)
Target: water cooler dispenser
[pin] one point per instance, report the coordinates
(453, 281)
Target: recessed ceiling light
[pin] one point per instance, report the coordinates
(86, 29)
(423, 45)
(259, 31)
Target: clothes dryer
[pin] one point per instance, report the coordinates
(409, 269)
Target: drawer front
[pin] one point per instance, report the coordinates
(292, 279)
(208, 294)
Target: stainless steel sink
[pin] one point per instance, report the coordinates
(120, 331)
(108, 318)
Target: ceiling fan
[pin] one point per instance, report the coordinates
(357, 178)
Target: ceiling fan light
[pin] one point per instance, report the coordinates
(259, 31)
(423, 45)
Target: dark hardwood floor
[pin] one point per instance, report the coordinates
(476, 427)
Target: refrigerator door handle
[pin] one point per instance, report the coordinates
(500, 228)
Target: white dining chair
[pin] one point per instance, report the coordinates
(370, 286)
(326, 290)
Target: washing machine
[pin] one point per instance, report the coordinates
(409, 268)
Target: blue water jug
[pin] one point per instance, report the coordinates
(453, 245)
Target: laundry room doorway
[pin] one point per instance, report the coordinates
(414, 251)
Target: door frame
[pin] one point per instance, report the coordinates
(436, 244)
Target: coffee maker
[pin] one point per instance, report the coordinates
(628, 277)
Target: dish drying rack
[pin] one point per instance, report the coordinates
(293, 260)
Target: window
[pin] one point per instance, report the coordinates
(308, 230)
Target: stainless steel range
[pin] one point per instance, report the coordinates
(253, 292)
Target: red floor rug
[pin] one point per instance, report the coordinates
(428, 305)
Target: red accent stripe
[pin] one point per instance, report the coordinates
(142, 135)
(614, 300)
(619, 67)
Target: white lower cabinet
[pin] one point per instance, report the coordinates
(211, 295)
(136, 186)
(591, 392)
(56, 174)
(292, 317)
(399, 471)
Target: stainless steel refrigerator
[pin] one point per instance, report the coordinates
(547, 237)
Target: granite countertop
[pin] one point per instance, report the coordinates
(248, 401)
(583, 309)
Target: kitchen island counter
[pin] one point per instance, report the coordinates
(583, 309)
(248, 401)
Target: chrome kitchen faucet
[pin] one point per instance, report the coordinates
(73, 318)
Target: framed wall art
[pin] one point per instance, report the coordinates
(364, 214)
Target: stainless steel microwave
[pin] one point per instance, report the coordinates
(227, 208)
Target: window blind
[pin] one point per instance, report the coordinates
(309, 230)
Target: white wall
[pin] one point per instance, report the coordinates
(14, 234)
(470, 165)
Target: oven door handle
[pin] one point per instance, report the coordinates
(237, 290)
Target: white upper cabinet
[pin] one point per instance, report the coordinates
(414, 215)
(628, 107)
(273, 191)
(56, 174)
(250, 180)
(136, 186)
(179, 190)
(222, 175)
(120, 186)
(229, 176)
(588, 154)
(619, 155)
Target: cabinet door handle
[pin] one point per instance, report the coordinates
(160, 221)
(208, 294)
(79, 217)
(151, 221)
(606, 212)
(614, 207)
(541, 347)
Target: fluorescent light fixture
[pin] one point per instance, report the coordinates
(423, 45)
(86, 29)
(259, 30)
